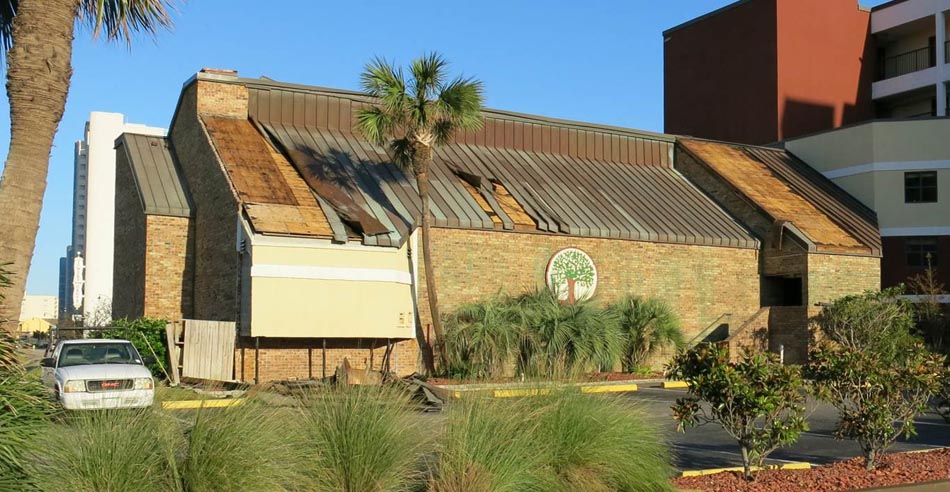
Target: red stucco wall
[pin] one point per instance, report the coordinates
(764, 70)
(720, 75)
(825, 65)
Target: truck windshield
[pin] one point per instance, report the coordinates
(81, 354)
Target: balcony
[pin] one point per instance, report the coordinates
(909, 62)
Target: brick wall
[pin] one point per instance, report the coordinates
(725, 195)
(789, 329)
(303, 358)
(699, 282)
(834, 276)
(128, 294)
(216, 207)
(169, 262)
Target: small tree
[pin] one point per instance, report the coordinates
(148, 337)
(650, 326)
(872, 393)
(940, 403)
(931, 317)
(757, 400)
(874, 322)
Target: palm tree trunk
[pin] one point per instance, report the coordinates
(422, 181)
(38, 73)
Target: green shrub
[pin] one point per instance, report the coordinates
(483, 338)
(491, 445)
(108, 451)
(146, 334)
(599, 443)
(244, 448)
(565, 338)
(875, 322)
(940, 403)
(649, 325)
(25, 408)
(757, 400)
(873, 393)
(361, 438)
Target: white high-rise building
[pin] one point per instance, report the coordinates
(94, 215)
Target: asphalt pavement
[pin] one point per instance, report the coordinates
(709, 446)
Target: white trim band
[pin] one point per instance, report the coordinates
(887, 166)
(915, 231)
(331, 273)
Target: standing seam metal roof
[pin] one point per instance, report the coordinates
(157, 177)
(563, 194)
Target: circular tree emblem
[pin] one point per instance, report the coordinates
(571, 275)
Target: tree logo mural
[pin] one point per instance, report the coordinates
(571, 275)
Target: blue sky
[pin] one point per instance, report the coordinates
(590, 60)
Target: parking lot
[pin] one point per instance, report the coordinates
(710, 446)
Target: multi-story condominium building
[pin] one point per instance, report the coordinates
(777, 69)
(901, 169)
(913, 66)
(93, 218)
(858, 93)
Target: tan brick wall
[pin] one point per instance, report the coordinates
(221, 99)
(788, 328)
(216, 208)
(699, 282)
(298, 359)
(169, 261)
(834, 276)
(128, 266)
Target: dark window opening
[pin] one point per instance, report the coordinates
(920, 187)
(921, 250)
(782, 291)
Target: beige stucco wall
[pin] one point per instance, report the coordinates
(286, 303)
(885, 150)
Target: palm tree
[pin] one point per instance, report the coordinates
(414, 116)
(37, 36)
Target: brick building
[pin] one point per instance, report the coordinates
(304, 233)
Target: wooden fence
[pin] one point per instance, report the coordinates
(202, 349)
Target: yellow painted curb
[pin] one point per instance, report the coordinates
(713, 471)
(513, 393)
(674, 384)
(615, 388)
(187, 404)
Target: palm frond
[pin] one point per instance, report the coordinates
(380, 79)
(402, 152)
(443, 130)
(428, 74)
(374, 123)
(460, 101)
(122, 18)
(8, 10)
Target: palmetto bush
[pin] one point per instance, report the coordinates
(483, 338)
(361, 438)
(566, 338)
(541, 336)
(649, 325)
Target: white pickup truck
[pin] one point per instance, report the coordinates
(91, 374)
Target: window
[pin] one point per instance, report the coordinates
(920, 187)
(917, 250)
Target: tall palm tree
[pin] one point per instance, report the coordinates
(414, 116)
(37, 36)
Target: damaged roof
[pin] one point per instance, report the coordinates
(789, 190)
(518, 173)
(157, 178)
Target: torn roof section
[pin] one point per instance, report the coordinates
(519, 173)
(789, 191)
(157, 178)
